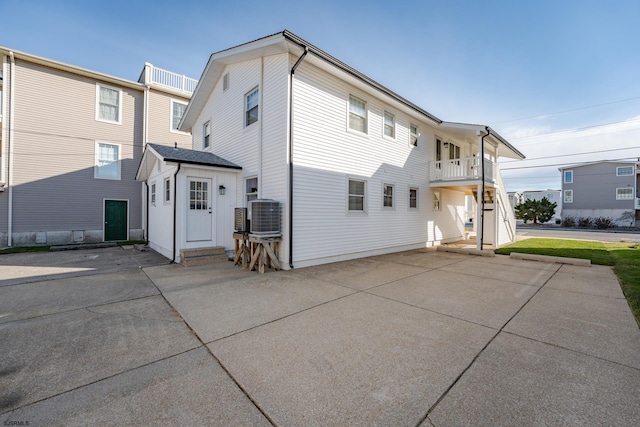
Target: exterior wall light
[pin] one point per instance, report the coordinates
(222, 189)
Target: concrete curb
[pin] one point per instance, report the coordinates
(83, 246)
(468, 251)
(555, 259)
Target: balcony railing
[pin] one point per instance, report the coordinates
(461, 169)
(158, 76)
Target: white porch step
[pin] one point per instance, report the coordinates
(202, 256)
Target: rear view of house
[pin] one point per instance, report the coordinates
(72, 140)
(602, 189)
(357, 169)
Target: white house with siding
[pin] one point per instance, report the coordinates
(358, 170)
(71, 142)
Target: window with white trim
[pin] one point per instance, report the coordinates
(107, 162)
(624, 170)
(387, 196)
(357, 114)
(389, 125)
(167, 190)
(568, 196)
(251, 189)
(177, 111)
(625, 193)
(437, 201)
(356, 195)
(108, 104)
(251, 107)
(153, 193)
(413, 135)
(413, 198)
(568, 177)
(206, 134)
(225, 82)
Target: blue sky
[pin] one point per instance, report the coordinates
(556, 78)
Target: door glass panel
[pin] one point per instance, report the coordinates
(198, 195)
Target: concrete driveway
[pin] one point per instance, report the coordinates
(417, 338)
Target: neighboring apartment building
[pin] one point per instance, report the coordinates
(72, 140)
(515, 198)
(357, 169)
(554, 196)
(602, 189)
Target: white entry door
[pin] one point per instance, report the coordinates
(199, 210)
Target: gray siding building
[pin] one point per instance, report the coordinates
(602, 189)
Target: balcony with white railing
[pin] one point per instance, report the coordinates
(465, 169)
(157, 76)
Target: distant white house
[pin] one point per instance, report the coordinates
(515, 198)
(357, 169)
(554, 196)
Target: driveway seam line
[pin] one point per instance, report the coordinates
(464, 371)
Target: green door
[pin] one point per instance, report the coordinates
(115, 220)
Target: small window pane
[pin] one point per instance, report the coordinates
(624, 193)
(109, 104)
(413, 130)
(356, 195)
(176, 114)
(568, 177)
(251, 115)
(624, 170)
(568, 196)
(107, 161)
(206, 134)
(389, 125)
(357, 114)
(436, 201)
(413, 198)
(388, 196)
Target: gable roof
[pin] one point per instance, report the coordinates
(287, 42)
(618, 162)
(180, 155)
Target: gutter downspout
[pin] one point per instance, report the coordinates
(145, 140)
(175, 205)
(483, 189)
(145, 236)
(293, 70)
(11, 143)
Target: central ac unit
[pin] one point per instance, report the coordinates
(241, 222)
(265, 216)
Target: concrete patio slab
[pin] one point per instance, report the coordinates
(507, 260)
(595, 280)
(600, 326)
(40, 298)
(360, 360)
(226, 307)
(477, 299)
(517, 381)
(188, 389)
(175, 277)
(423, 258)
(360, 274)
(48, 355)
(515, 274)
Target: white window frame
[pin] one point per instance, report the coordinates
(413, 138)
(416, 198)
(100, 119)
(250, 195)
(172, 129)
(392, 127)
(564, 176)
(567, 196)
(363, 196)
(225, 82)
(365, 117)
(152, 197)
(437, 200)
(166, 191)
(206, 134)
(618, 195)
(96, 167)
(624, 174)
(389, 197)
(255, 90)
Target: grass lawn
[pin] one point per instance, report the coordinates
(624, 257)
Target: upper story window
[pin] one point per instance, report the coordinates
(389, 125)
(153, 194)
(568, 177)
(357, 114)
(107, 162)
(454, 150)
(177, 111)
(413, 135)
(356, 195)
(387, 198)
(625, 193)
(624, 170)
(108, 104)
(251, 189)
(413, 198)
(251, 107)
(438, 150)
(206, 134)
(568, 196)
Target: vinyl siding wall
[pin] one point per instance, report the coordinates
(326, 154)
(159, 120)
(594, 187)
(54, 152)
